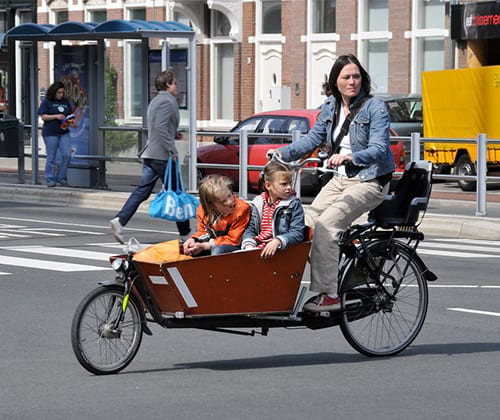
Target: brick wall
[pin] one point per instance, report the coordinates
(293, 25)
(247, 63)
(399, 46)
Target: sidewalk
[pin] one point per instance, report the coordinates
(446, 215)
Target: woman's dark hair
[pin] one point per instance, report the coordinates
(340, 63)
(163, 79)
(52, 90)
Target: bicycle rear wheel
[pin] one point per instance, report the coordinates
(383, 318)
(101, 345)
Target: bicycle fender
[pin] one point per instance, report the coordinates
(428, 274)
(108, 283)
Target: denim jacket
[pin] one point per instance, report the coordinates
(288, 222)
(368, 134)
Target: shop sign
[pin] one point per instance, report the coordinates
(475, 21)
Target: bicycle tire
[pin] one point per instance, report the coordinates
(373, 322)
(98, 346)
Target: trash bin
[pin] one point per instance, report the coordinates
(9, 136)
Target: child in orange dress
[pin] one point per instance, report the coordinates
(222, 218)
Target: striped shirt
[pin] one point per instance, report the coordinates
(266, 224)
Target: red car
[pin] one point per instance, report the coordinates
(226, 149)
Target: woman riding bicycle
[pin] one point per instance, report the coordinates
(361, 151)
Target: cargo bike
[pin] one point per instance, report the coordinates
(382, 284)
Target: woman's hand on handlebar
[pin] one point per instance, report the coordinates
(338, 160)
(271, 152)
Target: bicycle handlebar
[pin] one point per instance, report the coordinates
(299, 164)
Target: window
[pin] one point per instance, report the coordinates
(137, 14)
(377, 18)
(135, 77)
(25, 16)
(300, 124)
(3, 22)
(60, 16)
(223, 64)
(374, 44)
(224, 57)
(427, 35)
(97, 16)
(271, 16)
(220, 24)
(323, 15)
(433, 15)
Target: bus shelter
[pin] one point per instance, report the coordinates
(32, 34)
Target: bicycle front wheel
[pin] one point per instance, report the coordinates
(103, 341)
(382, 317)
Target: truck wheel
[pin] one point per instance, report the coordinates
(465, 167)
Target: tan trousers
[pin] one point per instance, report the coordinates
(339, 203)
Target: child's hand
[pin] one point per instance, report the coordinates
(188, 245)
(270, 249)
(191, 247)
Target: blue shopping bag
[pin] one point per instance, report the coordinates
(176, 206)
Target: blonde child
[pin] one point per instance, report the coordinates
(222, 218)
(277, 219)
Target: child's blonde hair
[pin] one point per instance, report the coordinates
(209, 187)
(270, 171)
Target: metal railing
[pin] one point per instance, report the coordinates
(416, 141)
(481, 178)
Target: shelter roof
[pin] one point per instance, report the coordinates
(122, 29)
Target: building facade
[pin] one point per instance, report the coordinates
(258, 55)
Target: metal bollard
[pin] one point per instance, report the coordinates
(481, 168)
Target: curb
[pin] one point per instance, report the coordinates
(471, 227)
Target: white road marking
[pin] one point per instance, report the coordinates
(4, 274)
(61, 252)
(106, 227)
(473, 311)
(461, 240)
(49, 265)
(42, 231)
(455, 254)
(458, 247)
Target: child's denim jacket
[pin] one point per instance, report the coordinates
(288, 222)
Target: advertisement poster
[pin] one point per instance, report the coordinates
(178, 63)
(72, 70)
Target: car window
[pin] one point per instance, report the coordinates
(251, 125)
(301, 124)
(405, 110)
(270, 124)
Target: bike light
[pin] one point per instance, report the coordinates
(119, 264)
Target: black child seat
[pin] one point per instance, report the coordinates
(410, 197)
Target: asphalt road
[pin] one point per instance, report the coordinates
(450, 371)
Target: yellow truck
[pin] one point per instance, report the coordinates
(461, 103)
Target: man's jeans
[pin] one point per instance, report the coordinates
(56, 166)
(151, 170)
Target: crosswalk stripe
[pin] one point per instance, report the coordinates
(461, 240)
(49, 265)
(460, 247)
(455, 254)
(61, 252)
